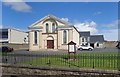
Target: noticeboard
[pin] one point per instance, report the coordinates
(71, 48)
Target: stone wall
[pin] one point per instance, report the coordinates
(34, 70)
(110, 44)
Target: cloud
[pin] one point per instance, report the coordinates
(1, 26)
(111, 34)
(87, 26)
(113, 24)
(65, 19)
(18, 5)
(97, 13)
(5, 26)
(111, 30)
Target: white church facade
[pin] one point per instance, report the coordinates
(51, 32)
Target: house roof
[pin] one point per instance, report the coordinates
(96, 38)
(5, 29)
(52, 17)
(86, 33)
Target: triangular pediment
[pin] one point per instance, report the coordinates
(49, 17)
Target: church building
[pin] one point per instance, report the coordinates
(51, 32)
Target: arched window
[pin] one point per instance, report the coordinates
(64, 37)
(53, 27)
(47, 27)
(35, 37)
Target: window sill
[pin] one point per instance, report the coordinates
(64, 44)
(35, 44)
(49, 33)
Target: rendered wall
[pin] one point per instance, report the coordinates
(16, 36)
(101, 45)
(76, 37)
(33, 46)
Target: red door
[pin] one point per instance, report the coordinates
(50, 44)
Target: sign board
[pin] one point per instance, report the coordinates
(71, 48)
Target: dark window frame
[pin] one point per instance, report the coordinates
(47, 27)
(53, 28)
(64, 37)
(35, 37)
(4, 34)
(83, 39)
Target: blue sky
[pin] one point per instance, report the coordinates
(97, 17)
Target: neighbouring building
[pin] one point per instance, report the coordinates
(85, 38)
(13, 36)
(97, 41)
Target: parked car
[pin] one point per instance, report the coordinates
(6, 49)
(85, 47)
(118, 45)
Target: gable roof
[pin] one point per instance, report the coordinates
(71, 43)
(96, 38)
(52, 17)
(85, 34)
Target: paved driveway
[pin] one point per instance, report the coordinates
(50, 52)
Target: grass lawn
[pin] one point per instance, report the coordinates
(83, 60)
(3, 53)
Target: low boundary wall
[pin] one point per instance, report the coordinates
(35, 70)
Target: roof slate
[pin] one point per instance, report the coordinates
(96, 38)
(86, 33)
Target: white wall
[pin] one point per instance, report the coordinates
(33, 46)
(76, 37)
(86, 40)
(61, 45)
(101, 45)
(15, 36)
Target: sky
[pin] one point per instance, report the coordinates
(100, 18)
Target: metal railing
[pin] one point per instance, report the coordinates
(96, 61)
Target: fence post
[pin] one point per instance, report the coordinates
(49, 62)
(93, 61)
(14, 60)
(6, 60)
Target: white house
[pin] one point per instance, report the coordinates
(84, 37)
(97, 41)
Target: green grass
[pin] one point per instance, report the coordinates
(84, 60)
(3, 53)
